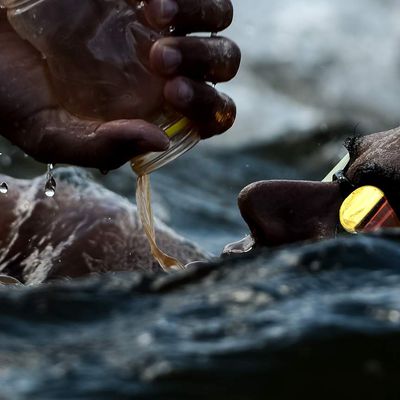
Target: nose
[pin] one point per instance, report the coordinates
(282, 212)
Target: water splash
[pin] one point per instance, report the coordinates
(8, 280)
(242, 246)
(4, 188)
(51, 184)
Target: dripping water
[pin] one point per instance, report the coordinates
(50, 186)
(4, 188)
(143, 200)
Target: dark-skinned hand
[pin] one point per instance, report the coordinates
(32, 119)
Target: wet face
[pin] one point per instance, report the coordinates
(282, 212)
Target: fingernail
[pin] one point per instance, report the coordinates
(171, 58)
(184, 92)
(168, 10)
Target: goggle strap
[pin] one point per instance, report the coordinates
(385, 217)
(341, 165)
(346, 187)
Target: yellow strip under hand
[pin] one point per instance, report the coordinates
(177, 127)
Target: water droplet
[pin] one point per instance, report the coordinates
(171, 29)
(50, 188)
(3, 188)
(140, 5)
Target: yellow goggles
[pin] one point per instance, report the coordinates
(366, 208)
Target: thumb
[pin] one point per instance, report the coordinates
(55, 136)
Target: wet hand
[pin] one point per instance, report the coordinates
(188, 62)
(32, 119)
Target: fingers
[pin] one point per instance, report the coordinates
(209, 59)
(54, 136)
(189, 61)
(211, 111)
(190, 15)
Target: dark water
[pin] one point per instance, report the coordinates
(313, 321)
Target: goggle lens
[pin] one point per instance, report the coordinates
(366, 209)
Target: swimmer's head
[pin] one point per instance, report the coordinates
(282, 212)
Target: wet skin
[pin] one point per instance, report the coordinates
(31, 118)
(282, 212)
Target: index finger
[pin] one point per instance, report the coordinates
(190, 15)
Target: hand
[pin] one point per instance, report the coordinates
(31, 117)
